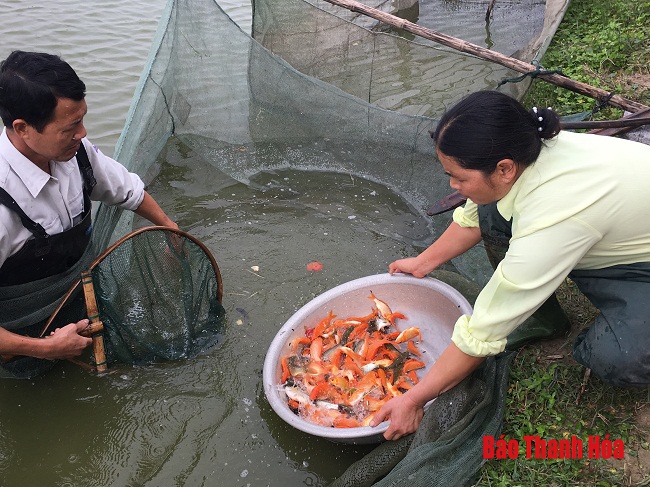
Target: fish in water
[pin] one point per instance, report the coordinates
(343, 370)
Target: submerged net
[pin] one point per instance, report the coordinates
(158, 293)
(159, 297)
(397, 70)
(447, 448)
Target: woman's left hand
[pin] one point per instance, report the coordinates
(404, 414)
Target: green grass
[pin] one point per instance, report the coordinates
(605, 43)
(542, 401)
(549, 397)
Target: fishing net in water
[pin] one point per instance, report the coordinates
(394, 69)
(158, 296)
(447, 448)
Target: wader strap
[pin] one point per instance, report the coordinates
(86, 169)
(89, 183)
(28, 223)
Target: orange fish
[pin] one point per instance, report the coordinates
(342, 371)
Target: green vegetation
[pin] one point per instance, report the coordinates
(605, 43)
(549, 397)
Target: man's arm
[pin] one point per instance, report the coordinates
(62, 343)
(152, 211)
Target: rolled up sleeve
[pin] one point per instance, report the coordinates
(467, 215)
(533, 268)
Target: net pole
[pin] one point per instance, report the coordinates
(93, 316)
(484, 53)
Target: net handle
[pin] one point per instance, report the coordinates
(104, 254)
(99, 351)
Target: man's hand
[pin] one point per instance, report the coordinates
(64, 343)
(405, 416)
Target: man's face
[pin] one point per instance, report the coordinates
(60, 138)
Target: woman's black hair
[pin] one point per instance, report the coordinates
(31, 82)
(488, 126)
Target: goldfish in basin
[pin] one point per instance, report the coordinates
(342, 371)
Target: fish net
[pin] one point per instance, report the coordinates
(319, 89)
(158, 296)
(447, 448)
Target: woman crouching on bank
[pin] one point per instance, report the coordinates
(562, 204)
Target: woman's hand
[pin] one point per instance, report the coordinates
(404, 414)
(406, 411)
(410, 265)
(454, 241)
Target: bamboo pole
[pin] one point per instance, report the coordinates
(95, 327)
(481, 52)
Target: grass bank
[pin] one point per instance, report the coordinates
(605, 43)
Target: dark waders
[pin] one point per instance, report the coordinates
(616, 347)
(43, 257)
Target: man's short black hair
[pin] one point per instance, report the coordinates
(31, 82)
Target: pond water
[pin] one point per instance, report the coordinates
(206, 421)
(106, 42)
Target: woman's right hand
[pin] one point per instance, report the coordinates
(410, 265)
(454, 241)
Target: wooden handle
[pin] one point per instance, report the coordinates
(92, 329)
(95, 327)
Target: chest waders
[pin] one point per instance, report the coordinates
(615, 346)
(45, 256)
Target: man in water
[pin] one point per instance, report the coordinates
(49, 174)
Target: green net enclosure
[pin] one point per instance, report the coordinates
(395, 69)
(243, 109)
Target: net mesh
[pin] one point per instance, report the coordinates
(158, 293)
(158, 296)
(311, 91)
(447, 448)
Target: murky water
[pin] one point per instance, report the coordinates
(206, 421)
(106, 42)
